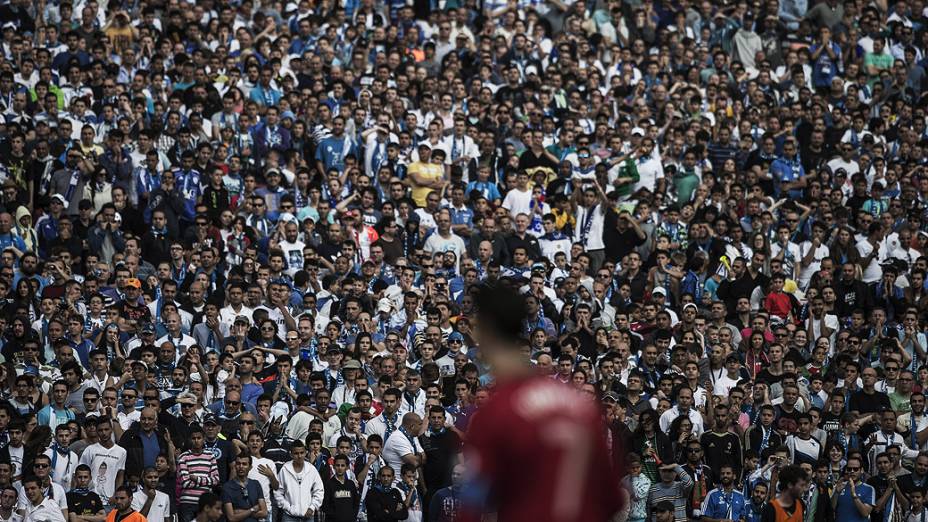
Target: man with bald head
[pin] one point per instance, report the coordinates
(145, 439)
(233, 385)
(488, 232)
(7, 238)
(403, 447)
(230, 415)
(545, 364)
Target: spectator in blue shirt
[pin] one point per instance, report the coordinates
(787, 171)
(853, 500)
(333, 150)
(826, 59)
(264, 94)
(725, 502)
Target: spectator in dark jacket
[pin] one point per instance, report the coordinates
(445, 505)
(342, 498)
(385, 503)
(106, 237)
(157, 241)
(139, 454)
(169, 200)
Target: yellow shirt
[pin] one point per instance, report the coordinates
(429, 171)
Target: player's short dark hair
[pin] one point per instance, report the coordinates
(792, 474)
(206, 500)
(500, 310)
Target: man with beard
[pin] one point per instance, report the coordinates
(913, 424)
(720, 444)
(852, 293)
(724, 502)
(123, 511)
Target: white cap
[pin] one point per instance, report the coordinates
(62, 199)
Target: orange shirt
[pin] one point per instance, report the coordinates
(135, 516)
(782, 515)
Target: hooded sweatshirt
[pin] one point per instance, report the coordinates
(27, 231)
(299, 491)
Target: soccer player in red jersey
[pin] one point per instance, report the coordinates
(537, 449)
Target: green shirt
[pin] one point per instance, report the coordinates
(628, 169)
(899, 403)
(880, 61)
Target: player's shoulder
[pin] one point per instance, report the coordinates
(542, 398)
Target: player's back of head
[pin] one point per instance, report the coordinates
(500, 311)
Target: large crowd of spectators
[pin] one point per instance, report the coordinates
(241, 245)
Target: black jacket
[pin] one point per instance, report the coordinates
(385, 505)
(341, 501)
(131, 441)
(157, 247)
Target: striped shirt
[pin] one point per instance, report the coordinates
(197, 473)
(676, 492)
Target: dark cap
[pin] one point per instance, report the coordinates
(209, 418)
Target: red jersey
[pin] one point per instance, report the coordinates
(538, 452)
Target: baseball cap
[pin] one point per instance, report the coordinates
(148, 328)
(455, 336)
(209, 418)
(133, 282)
(638, 130)
(352, 364)
(241, 319)
(61, 199)
(142, 363)
(659, 290)
(613, 396)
